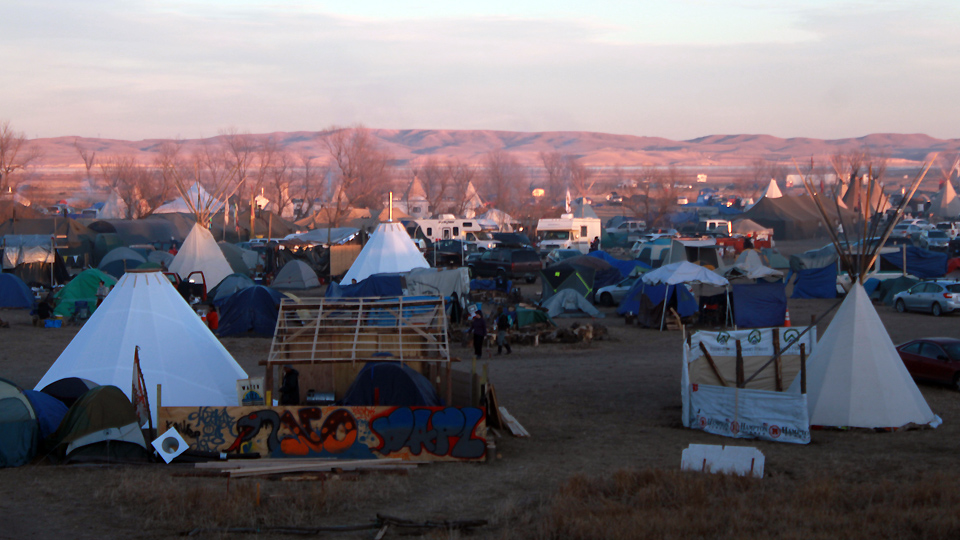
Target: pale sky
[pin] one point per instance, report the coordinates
(678, 69)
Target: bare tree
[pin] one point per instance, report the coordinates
(461, 176)
(280, 178)
(240, 147)
(361, 167)
(581, 178)
(15, 155)
(313, 180)
(504, 179)
(89, 157)
(435, 179)
(558, 175)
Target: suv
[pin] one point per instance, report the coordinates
(934, 240)
(937, 297)
(510, 263)
(449, 253)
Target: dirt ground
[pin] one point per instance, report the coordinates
(592, 410)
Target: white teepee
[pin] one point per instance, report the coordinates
(177, 349)
(199, 199)
(201, 252)
(855, 377)
(772, 191)
(945, 204)
(389, 250)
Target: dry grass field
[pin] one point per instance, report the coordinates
(602, 462)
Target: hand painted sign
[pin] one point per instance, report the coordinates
(412, 433)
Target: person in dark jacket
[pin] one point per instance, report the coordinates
(503, 324)
(290, 387)
(478, 327)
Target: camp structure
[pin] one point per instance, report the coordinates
(772, 191)
(251, 310)
(228, 286)
(389, 250)
(733, 383)
(68, 390)
(296, 275)
(200, 253)
(100, 426)
(14, 293)
(81, 292)
(119, 260)
(682, 273)
(176, 349)
(945, 204)
(569, 303)
(791, 218)
(329, 339)
(195, 197)
(855, 377)
(393, 383)
(33, 258)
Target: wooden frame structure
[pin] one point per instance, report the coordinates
(315, 330)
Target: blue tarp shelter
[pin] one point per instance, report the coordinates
(372, 286)
(391, 384)
(253, 309)
(920, 262)
(645, 299)
(14, 293)
(815, 282)
(759, 305)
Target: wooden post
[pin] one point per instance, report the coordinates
(739, 365)
(268, 384)
(270, 226)
(803, 368)
(713, 365)
(778, 365)
(253, 206)
(449, 384)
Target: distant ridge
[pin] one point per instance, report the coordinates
(412, 146)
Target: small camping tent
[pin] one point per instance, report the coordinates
(119, 260)
(19, 430)
(101, 425)
(14, 293)
(228, 286)
(82, 288)
(252, 309)
(569, 303)
(393, 384)
(296, 275)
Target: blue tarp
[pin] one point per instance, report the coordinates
(815, 282)
(14, 293)
(759, 305)
(375, 285)
(920, 262)
(49, 410)
(487, 285)
(686, 304)
(625, 267)
(253, 309)
(390, 384)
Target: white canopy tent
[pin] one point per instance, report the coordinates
(684, 272)
(390, 250)
(177, 350)
(200, 252)
(855, 377)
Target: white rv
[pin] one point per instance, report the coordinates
(448, 227)
(567, 232)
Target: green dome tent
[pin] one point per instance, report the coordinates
(83, 287)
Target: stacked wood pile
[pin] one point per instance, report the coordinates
(242, 468)
(544, 333)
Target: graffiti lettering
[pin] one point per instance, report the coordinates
(432, 430)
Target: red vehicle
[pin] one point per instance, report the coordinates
(933, 360)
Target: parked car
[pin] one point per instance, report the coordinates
(611, 295)
(652, 252)
(934, 240)
(654, 234)
(933, 360)
(921, 224)
(511, 263)
(513, 240)
(952, 228)
(937, 297)
(449, 253)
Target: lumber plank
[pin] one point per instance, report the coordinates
(513, 425)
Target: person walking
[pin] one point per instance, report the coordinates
(503, 324)
(290, 386)
(102, 292)
(478, 327)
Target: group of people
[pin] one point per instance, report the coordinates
(502, 322)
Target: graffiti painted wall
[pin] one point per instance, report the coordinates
(412, 433)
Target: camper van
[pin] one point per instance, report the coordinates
(448, 227)
(567, 232)
(714, 226)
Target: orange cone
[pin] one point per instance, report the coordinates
(786, 319)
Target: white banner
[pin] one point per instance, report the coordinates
(748, 414)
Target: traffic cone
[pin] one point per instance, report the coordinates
(786, 319)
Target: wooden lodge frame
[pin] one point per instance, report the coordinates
(326, 333)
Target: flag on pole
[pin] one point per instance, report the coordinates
(140, 401)
(567, 203)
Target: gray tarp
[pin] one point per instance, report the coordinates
(567, 302)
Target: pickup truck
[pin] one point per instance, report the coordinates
(511, 263)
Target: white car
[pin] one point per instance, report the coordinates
(611, 295)
(934, 240)
(952, 228)
(921, 224)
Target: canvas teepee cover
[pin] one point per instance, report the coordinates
(201, 252)
(177, 349)
(855, 377)
(945, 203)
(773, 190)
(389, 250)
